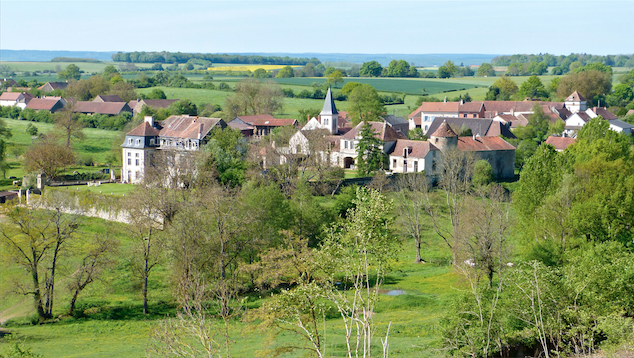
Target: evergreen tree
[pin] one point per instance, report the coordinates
(370, 156)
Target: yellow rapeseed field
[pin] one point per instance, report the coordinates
(247, 68)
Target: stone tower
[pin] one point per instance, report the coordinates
(444, 137)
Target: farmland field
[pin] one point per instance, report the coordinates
(244, 68)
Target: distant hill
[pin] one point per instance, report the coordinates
(45, 56)
(383, 59)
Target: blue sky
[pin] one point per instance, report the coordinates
(403, 27)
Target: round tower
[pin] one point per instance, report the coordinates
(444, 137)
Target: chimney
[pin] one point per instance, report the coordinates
(461, 101)
(445, 100)
(200, 132)
(149, 120)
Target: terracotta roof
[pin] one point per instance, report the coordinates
(507, 117)
(560, 143)
(107, 98)
(274, 122)
(251, 119)
(382, 131)
(144, 130)
(483, 144)
(575, 97)
(600, 111)
(472, 107)
(187, 127)
(112, 108)
(436, 107)
(415, 148)
(240, 125)
(158, 103)
(631, 111)
(10, 96)
(444, 130)
(42, 103)
(520, 121)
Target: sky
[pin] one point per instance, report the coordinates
(368, 27)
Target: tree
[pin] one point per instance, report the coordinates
(71, 72)
(67, 124)
(411, 207)
(359, 249)
(157, 93)
(590, 84)
(37, 239)
(31, 130)
(502, 89)
(370, 69)
(48, 157)
(261, 73)
(485, 70)
(533, 88)
(228, 151)
(184, 106)
(334, 78)
(448, 69)
(370, 156)
(286, 72)
(253, 97)
(125, 91)
(365, 104)
(482, 173)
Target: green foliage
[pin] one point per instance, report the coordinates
(533, 88)
(370, 69)
(591, 84)
(184, 106)
(482, 173)
(228, 150)
(71, 72)
(485, 70)
(285, 72)
(502, 89)
(365, 104)
(370, 157)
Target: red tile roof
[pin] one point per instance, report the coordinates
(42, 103)
(436, 107)
(251, 119)
(444, 131)
(187, 127)
(415, 148)
(273, 122)
(111, 108)
(575, 97)
(144, 130)
(483, 144)
(10, 96)
(607, 115)
(382, 131)
(560, 143)
(472, 107)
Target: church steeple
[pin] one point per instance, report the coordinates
(329, 117)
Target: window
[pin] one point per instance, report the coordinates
(136, 155)
(129, 141)
(152, 141)
(426, 118)
(345, 144)
(325, 121)
(136, 162)
(129, 154)
(405, 166)
(138, 142)
(393, 163)
(416, 166)
(129, 160)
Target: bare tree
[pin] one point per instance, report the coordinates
(93, 263)
(411, 204)
(67, 124)
(48, 157)
(254, 97)
(455, 169)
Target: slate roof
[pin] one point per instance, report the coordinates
(329, 105)
(560, 143)
(600, 111)
(575, 97)
(415, 148)
(619, 123)
(483, 144)
(110, 108)
(382, 131)
(394, 120)
(9, 82)
(188, 127)
(240, 125)
(55, 85)
(107, 98)
(444, 130)
(144, 130)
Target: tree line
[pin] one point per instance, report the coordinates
(178, 57)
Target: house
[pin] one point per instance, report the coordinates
(50, 104)
(108, 108)
(177, 133)
(412, 156)
(576, 103)
(579, 119)
(107, 98)
(511, 120)
(244, 128)
(422, 116)
(560, 143)
(8, 83)
(137, 105)
(52, 86)
(264, 127)
(347, 154)
(20, 99)
(478, 126)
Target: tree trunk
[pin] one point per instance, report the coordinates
(71, 310)
(418, 258)
(37, 296)
(145, 277)
(50, 285)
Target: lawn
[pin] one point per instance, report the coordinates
(115, 327)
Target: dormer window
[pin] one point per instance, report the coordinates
(405, 150)
(129, 141)
(151, 141)
(138, 142)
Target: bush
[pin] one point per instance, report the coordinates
(482, 173)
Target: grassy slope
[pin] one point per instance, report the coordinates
(117, 328)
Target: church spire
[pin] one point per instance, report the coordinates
(329, 105)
